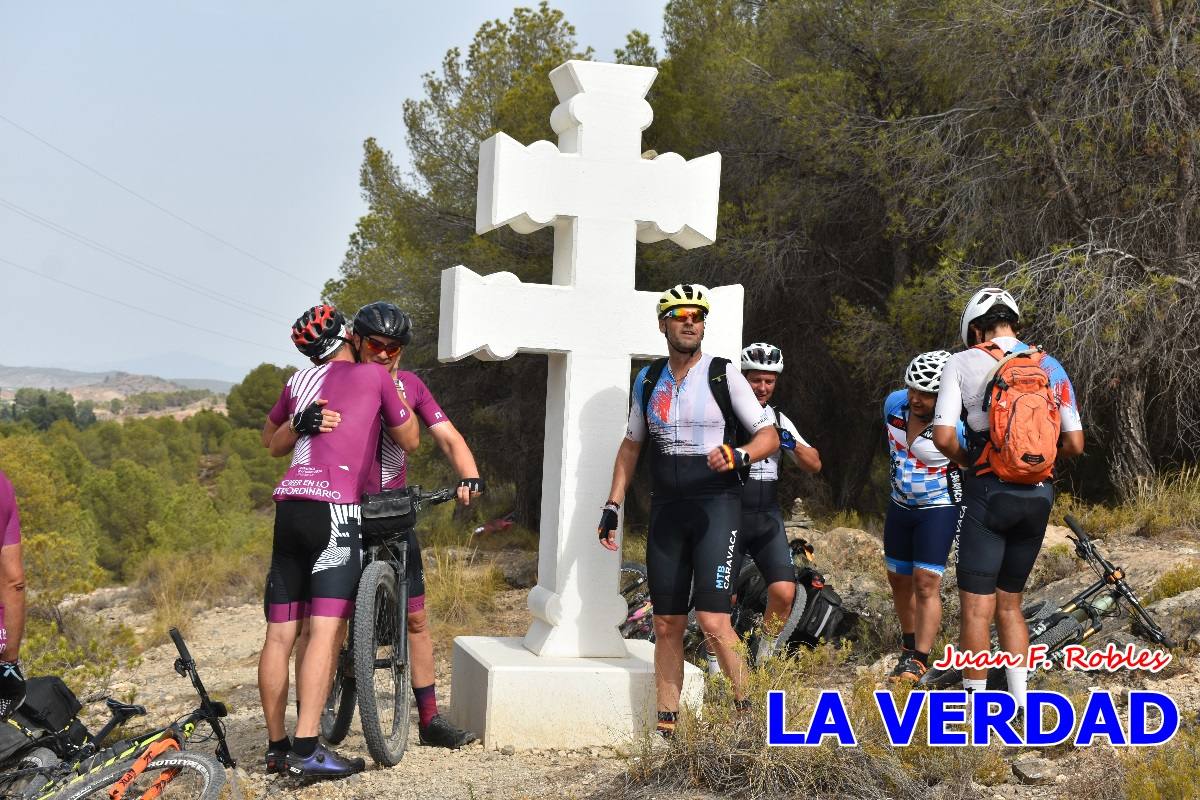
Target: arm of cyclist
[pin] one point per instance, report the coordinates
(752, 417)
(800, 452)
(623, 469)
(454, 448)
(945, 439)
(1070, 445)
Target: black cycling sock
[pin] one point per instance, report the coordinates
(909, 641)
(666, 722)
(281, 746)
(304, 746)
(922, 657)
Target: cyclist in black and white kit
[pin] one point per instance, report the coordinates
(762, 535)
(696, 505)
(1003, 523)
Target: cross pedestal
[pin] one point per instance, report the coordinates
(573, 681)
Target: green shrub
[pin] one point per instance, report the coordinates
(1178, 580)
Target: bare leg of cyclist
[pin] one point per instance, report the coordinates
(668, 659)
(780, 596)
(314, 676)
(721, 639)
(903, 600)
(1014, 638)
(273, 674)
(974, 632)
(420, 648)
(927, 614)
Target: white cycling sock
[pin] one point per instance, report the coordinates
(974, 684)
(1018, 683)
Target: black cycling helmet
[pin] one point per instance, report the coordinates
(383, 319)
(319, 332)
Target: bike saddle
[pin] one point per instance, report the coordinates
(124, 710)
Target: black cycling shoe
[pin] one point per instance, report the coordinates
(908, 668)
(323, 763)
(276, 761)
(440, 733)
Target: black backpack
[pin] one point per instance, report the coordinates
(735, 435)
(50, 709)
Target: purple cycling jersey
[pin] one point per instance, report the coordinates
(10, 517)
(333, 467)
(395, 460)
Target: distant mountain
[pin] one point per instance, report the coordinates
(99, 386)
(179, 367)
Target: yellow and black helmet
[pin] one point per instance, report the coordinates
(684, 294)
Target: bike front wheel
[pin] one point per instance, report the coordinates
(176, 774)
(381, 671)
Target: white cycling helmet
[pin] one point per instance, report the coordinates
(924, 372)
(980, 304)
(762, 356)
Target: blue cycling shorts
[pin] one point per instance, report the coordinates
(918, 538)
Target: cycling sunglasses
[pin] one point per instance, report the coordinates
(376, 346)
(693, 315)
(761, 356)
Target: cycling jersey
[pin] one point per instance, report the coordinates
(395, 460)
(333, 467)
(759, 493)
(10, 516)
(964, 385)
(686, 424)
(918, 470)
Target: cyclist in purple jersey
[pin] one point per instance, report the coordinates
(316, 554)
(380, 333)
(12, 601)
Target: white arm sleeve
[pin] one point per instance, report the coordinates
(749, 412)
(948, 410)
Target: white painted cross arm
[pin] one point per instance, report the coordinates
(493, 317)
(669, 197)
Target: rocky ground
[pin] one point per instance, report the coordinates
(226, 641)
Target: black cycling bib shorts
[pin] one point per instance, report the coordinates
(762, 537)
(1001, 533)
(414, 566)
(690, 552)
(316, 560)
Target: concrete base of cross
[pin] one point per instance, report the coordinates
(509, 696)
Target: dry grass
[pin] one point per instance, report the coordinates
(1182, 578)
(1169, 772)
(178, 587)
(460, 589)
(1166, 502)
(721, 755)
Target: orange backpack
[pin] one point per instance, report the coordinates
(1023, 418)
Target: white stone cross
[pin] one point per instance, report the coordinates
(601, 197)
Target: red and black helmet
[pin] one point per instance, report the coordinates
(319, 332)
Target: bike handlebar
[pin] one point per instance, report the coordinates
(1076, 526)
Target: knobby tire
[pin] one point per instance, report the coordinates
(380, 638)
(199, 776)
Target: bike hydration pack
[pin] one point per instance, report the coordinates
(1023, 418)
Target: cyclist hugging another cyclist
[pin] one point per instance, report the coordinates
(317, 549)
(1021, 416)
(691, 406)
(922, 517)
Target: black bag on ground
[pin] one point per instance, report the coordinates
(823, 614)
(50, 707)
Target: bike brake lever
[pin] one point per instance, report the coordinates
(181, 667)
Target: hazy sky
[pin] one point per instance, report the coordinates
(245, 119)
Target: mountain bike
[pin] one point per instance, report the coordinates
(372, 668)
(147, 766)
(1076, 620)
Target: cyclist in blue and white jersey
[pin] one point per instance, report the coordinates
(762, 534)
(922, 517)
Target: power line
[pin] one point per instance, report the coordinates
(161, 208)
(211, 294)
(122, 303)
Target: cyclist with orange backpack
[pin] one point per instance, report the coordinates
(1021, 417)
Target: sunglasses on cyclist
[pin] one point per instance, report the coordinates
(692, 315)
(376, 346)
